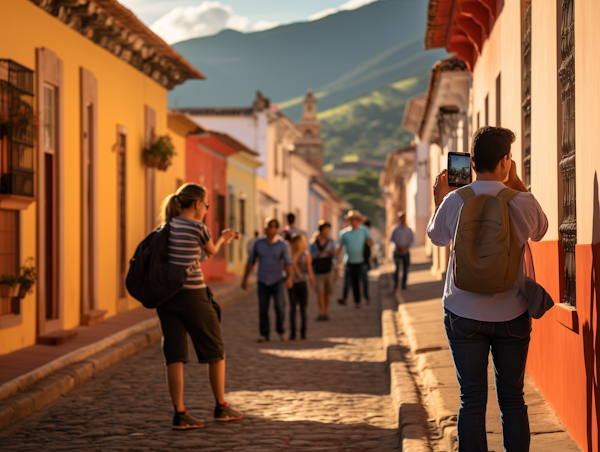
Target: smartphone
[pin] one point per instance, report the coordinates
(459, 169)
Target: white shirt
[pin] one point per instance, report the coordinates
(401, 236)
(529, 222)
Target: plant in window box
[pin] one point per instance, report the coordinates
(9, 286)
(27, 277)
(160, 153)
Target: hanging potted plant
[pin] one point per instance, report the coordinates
(161, 152)
(9, 286)
(27, 277)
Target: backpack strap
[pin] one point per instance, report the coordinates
(507, 194)
(466, 193)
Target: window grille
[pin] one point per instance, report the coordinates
(526, 97)
(9, 255)
(566, 73)
(17, 129)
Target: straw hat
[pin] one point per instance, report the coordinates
(353, 214)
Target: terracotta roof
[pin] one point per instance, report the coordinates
(439, 18)
(452, 64)
(114, 27)
(413, 112)
(384, 178)
(217, 111)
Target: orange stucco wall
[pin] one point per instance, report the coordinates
(564, 347)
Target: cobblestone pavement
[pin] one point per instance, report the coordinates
(327, 393)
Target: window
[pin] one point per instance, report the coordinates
(498, 100)
(49, 118)
(122, 260)
(487, 111)
(242, 226)
(526, 92)
(478, 120)
(9, 256)
(276, 160)
(568, 227)
(232, 222)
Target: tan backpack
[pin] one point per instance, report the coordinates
(486, 252)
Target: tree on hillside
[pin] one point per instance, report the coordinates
(362, 191)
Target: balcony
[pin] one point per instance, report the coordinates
(17, 133)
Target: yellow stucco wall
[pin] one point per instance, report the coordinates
(123, 91)
(545, 123)
(587, 119)
(240, 176)
(501, 54)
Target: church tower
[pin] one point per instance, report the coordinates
(310, 145)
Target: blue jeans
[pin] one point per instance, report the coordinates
(264, 295)
(405, 259)
(470, 343)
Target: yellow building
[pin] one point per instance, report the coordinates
(78, 198)
(241, 181)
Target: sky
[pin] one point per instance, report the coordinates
(178, 20)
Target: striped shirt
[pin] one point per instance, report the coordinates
(186, 247)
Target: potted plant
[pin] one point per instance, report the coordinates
(160, 153)
(9, 286)
(27, 277)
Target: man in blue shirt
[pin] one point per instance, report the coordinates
(272, 252)
(354, 238)
(402, 237)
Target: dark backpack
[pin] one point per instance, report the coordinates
(322, 264)
(151, 279)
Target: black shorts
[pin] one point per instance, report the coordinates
(192, 312)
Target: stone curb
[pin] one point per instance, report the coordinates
(412, 417)
(31, 392)
(444, 418)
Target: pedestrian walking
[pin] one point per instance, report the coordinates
(402, 237)
(298, 293)
(353, 239)
(367, 265)
(323, 252)
(193, 310)
(272, 252)
(292, 229)
(478, 321)
(250, 244)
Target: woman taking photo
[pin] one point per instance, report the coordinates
(193, 311)
(302, 271)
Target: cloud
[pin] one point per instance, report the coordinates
(263, 25)
(351, 4)
(206, 19)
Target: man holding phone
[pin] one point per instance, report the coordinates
(477, 323)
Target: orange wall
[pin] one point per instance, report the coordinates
(564, 346)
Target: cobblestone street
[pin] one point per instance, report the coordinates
(327, 393)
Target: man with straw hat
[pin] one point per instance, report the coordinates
(353, 239)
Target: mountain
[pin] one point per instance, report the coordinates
(370, 125)
(341, 57)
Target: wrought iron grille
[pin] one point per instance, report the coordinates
(17, 129)
(526, 93)
(568, 227)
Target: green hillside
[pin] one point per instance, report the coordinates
(340, 57)
(370, 125)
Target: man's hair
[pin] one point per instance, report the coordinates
(270, 220)
(291, 218)
(490, 145)
(323, 224)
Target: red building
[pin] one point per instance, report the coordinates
(206, 164)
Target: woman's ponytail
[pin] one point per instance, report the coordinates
(187, 195)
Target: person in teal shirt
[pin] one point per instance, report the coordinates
(353, 239)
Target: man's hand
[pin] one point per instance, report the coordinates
(513, 179)
(441, 187)
(244, 284)
(289, 283)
